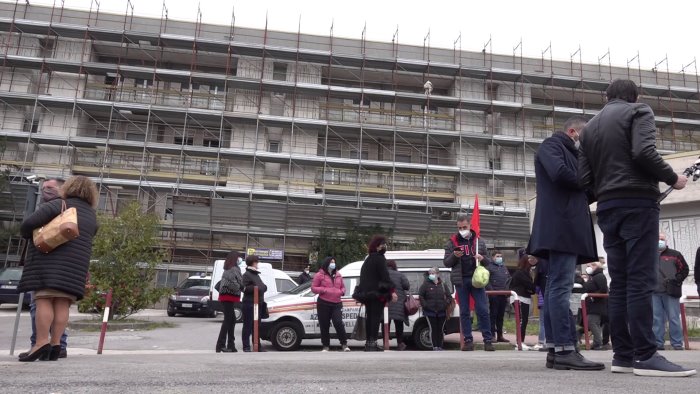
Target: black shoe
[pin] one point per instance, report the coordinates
(550, 360)
(43, 351)
(23, 355)
(502, 340)
(232, 350)
(488, 346)
(63, 354)
(55, 353)
(468, 346)
(576, 361)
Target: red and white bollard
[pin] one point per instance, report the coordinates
(105, 318)
(386, 326)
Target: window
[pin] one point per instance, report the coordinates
(209, 167)
(354, 154)
(432, 108)
(181, 141)
(47, 46)
(135, 136)
(284, 285)
(334, 149)
(101, 134)
(167, 278)
(494, 157)
(274, 146)
(211, 143)
(279, 71)
(365, 101)
(491, 90)
(30, 125)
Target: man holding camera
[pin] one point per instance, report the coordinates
(619, 163)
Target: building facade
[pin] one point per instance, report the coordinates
(241, 138)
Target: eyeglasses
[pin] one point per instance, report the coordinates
(463, 227)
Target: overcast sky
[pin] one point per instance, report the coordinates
(655, 30)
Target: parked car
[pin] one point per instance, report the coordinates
(276, 281)
(192, 298)
(293, 315)
(9, 279)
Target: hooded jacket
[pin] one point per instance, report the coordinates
(434, 297)
(329, 288)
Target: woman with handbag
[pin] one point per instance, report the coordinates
(328, 284)
(397, 310)
(57, 278)
(435, 298)
(374, 290)
(229, 295)
(251, 279)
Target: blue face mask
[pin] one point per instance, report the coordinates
(331, 267)
(432, 277)
(662, 245)
(498, 260)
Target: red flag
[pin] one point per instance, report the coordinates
(475, 217)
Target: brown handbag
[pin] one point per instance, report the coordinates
(58, 231)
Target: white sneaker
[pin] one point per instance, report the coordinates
(346, 348)
(537, 347)
(525, 347)
(325, 349)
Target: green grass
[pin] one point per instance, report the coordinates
(533, 326)
(118, 325)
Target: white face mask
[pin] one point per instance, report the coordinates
(465, 233)
(577, 144)
(589, 270)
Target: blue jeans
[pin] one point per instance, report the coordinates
(541, 337)
(630, 238)
(32, 315)
(481, 303)
(667, 308)
(559, 325)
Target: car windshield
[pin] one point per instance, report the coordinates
(199, 284)
(10, 274)
(299, 289)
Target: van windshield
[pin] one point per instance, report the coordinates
(299, 289)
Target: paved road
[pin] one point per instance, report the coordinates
(182, 360)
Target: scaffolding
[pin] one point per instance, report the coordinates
(243, 138)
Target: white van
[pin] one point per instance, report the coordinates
(293, 314)
(275, 280)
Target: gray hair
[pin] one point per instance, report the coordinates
(462, 217)
(434, 270)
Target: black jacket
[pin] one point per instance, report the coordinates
(401, 285)
(465, 266)
(562, 215)
(673, 266)
(498, 278)
(522, 284)
(696, 271)
(231, 281)
(597, 283)
(434, 298)
(375, 283)
(252, 278)
(66, 267)
(618, 154)
(304, 277)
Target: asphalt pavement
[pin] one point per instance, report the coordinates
(182, 359)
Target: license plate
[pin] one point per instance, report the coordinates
(187, 305)
(11, 287)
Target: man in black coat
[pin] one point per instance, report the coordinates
(305, 276)
(562, 233)
(619, 164)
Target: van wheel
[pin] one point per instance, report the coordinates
(421, 336)
(286, 336)
(238, 314)
(171, 314)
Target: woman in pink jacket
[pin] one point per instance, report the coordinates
(329, 286)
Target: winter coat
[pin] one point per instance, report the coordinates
(329, 288)
(562, 216)
(597, 283)
(252, 278)
(434, 298)
(66, 267)
(464, 267)
(499, 277)
(231, 282)
(401, 285)
(674, 266)
(522, 284)
(303, 278)
(618, 157)
(375, 283)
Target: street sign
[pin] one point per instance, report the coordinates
(266, 254)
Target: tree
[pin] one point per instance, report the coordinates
(347, 245)
(432, 240)
(125, 253)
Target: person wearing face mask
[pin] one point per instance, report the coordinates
(562, 233)
(397, 310)
(672, 271)
(596, 308)
(251, 279)
(374, 290)
(499, 280)
(434, 297)
(328, 284)
(305, 276)
(523, 284)
(462, 254)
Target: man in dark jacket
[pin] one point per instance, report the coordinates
(304, 276)
(461, 255)
(562, 233)
(620, 165)
(597, 308)
(499, 279)
(672, 272)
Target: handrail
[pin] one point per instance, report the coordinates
(516, 302)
